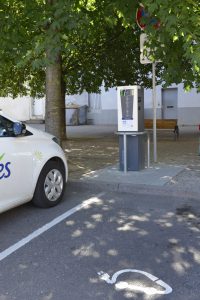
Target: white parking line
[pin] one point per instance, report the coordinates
(47, 226)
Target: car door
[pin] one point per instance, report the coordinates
(16, 166)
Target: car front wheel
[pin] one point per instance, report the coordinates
(50, 186)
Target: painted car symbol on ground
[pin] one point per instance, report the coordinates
(121, 285)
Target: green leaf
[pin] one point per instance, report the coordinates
(175, 38)
(2, 156)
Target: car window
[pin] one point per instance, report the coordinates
(6, 127)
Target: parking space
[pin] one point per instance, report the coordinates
(101, 246)
(18, 223)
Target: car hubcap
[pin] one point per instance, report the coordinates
(53, 185)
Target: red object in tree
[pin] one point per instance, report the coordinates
(141, 13)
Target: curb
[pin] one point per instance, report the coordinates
(138, 189)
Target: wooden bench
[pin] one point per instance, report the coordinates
(163, 124)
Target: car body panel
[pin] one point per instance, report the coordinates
(16, 177)
(21, 160)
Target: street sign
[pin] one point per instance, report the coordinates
(145, 57)
(141, 13)
(144, 51)
(143, 18)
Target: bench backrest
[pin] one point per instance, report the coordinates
(160, 123)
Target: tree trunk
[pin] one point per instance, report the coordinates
(55, 102)
(55, 96)
(63, 93)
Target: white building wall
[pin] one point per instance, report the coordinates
(109, 99)
(188, 107)
(148, 103)
(37, 109)
(103, 106)
(185, 99)
(188, 99)
(18, 108)
(23, 108)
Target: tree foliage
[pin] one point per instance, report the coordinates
(87, 41)
(18, 26)
(98, 41)
(95, 44)
(177, 41)
(94, 41)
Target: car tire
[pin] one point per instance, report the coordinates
(50, 185)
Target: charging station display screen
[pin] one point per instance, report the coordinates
(127, 108)
(127, 104)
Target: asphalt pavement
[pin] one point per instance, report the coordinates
(114, 236)
(103, 246)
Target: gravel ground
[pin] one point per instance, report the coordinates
(88, 154)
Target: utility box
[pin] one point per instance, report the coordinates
(76, 115)
(71, 116)
(135, 147)
(130, 100)
(82, 115)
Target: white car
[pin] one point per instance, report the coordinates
(32, 166)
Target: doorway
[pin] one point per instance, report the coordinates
(169, 103)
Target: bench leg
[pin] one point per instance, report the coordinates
(176, 132)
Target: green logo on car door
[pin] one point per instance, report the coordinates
(1, 156)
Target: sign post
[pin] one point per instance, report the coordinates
(154, 111)
(144, 59)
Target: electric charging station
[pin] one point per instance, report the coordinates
(130, 101)
(131, 133)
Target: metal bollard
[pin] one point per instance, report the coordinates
(199, 147)
(148, 150)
